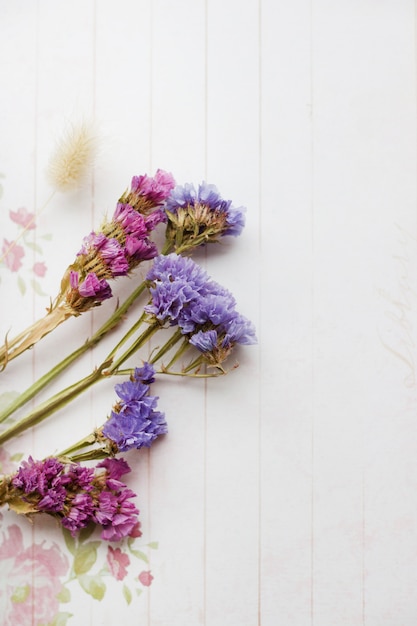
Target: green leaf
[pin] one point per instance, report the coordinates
(93, 585)
(85, 533)
(64, 595)
(47, 237)
(127, 594)
(153, 544)
(138, 591)
(22, 285)
(69, 541)
(7, 398)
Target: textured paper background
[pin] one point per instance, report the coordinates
(284, 493)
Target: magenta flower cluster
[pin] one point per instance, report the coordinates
(184, 295)
(78, 495)
(122, 243)
(134, 422)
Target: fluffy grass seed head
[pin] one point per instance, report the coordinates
(73, 157)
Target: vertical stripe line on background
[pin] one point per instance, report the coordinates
(313, 347)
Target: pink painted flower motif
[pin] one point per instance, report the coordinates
(39, 269)
(146, 578)
(23, 218)
(29, 580)
(13, 255)
(136, 531)
(117, 561)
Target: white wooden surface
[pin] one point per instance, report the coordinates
(286, 492)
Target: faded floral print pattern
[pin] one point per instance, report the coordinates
(30, 580)
(37, 578)
(19, 250)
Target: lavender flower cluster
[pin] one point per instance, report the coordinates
(121, 244)
(134, 422)
(78, 495)
(200, 216)
(183, 294)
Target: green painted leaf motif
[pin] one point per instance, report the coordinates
(93, 585)
(64, 595)
(60, 619)
(69, 541)
(22, 285)
(153, 544)
(85, 557)
(20, 594)
(127, 594)
(34, 246)
(37, 288)
(16, 458)
(139, 555)
(7, 398)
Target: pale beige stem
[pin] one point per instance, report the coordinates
(25, 340)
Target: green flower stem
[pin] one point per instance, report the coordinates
(80, 445)
(130, 332)
(140, 341)
(92, 455)
(181, 350)
(42, 382)
(168, 345)
(57, 401)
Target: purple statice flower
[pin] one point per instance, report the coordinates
(76, 495)
(80, 514)
(239, 330)
(201, 215)
(93, 287)
(37, 476)
(132, 222)
(140, 249)
(156, 189)
(205, 340)
(174, 267)
(117, 514)
(134, 421)
(177, 282)
(108, 250)
(145, 374)
(115, 469)
(184, 295)
(119, 246)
